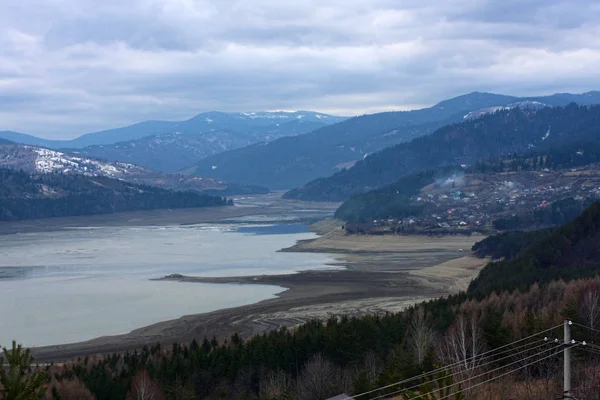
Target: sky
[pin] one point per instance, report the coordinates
(73, 66)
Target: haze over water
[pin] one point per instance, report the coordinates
(77, 284)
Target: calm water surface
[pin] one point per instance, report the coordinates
(73, 285)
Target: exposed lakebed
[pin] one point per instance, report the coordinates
(77, 284)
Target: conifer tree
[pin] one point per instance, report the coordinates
(19, 381)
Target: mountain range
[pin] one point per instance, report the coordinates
(204, 122)
(506, 131)
(293, 161)
(172, 145)
(282, 150)
(174, 151)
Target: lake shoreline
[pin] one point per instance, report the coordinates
(393, 274)
(370, 274)
(183, 217)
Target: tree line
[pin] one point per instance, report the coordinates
(347, 355)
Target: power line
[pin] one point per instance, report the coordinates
(589, 349)
(478, 376)
(473, 377)
(494, 378)
(488, 353)
(591, 346)
(544, 344)
(454, 365)
(479, 358)
(586, 327)
(496, 369)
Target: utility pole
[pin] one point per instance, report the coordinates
(567, 360)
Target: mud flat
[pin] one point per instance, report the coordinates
(337, 241)
(257, 208)
(375, 274)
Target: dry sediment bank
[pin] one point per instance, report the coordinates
(384, 273)
(337, 241)
(264, 207)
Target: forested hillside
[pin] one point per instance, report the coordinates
(25, 196)
(173, 151)
(390, 201)
(568, 252)
(290, 162)
(523, 191)
(570, 155)
(503, 132)
(508, 245)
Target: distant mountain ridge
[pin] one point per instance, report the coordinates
(530, 104)
(172, 152)
(138, 130)
(506, 131)
(294, 161)
(203, 122)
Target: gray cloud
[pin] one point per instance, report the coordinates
(71, 66)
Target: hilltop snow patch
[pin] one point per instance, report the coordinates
(48, 161)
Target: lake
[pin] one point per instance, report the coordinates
(77, 284)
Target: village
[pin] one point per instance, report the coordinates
(467, 203)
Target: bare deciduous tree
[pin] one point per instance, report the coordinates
(421, 336)
(464, 344)
(318, 379)
(277, 385)
(144, 388)
(590, 307)
(372, 367)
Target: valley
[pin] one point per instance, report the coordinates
(362, 276)
(389, 248)
(162, 259)
(315, 200)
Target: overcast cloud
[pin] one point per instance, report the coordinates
(74, 66)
